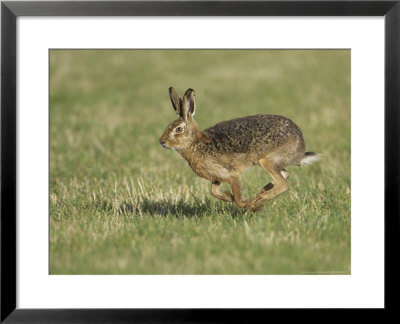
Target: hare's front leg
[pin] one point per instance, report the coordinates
(237, 195)
(218, 193)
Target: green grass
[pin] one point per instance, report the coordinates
(120, 204)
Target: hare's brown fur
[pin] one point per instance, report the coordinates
(222, 152)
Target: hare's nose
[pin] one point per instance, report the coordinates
(162, 142)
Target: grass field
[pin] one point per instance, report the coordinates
(120, 204)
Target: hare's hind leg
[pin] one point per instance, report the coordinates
(218, 193)
(285, 174)
(278, 185)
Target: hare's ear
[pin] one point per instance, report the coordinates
(189, 104)
(176, 102)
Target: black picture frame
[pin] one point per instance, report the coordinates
(10, 10)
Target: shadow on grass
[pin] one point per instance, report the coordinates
(189, 209)
(178, 208)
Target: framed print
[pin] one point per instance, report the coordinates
(100, 223)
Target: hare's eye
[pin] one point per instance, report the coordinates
(179, 129)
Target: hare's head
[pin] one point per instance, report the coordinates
(181, 132)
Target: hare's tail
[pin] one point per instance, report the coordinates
(310, 157)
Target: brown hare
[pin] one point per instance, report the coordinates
(222, 152)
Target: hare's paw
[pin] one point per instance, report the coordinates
(254, 208)
(256, 204)
(220, 194)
